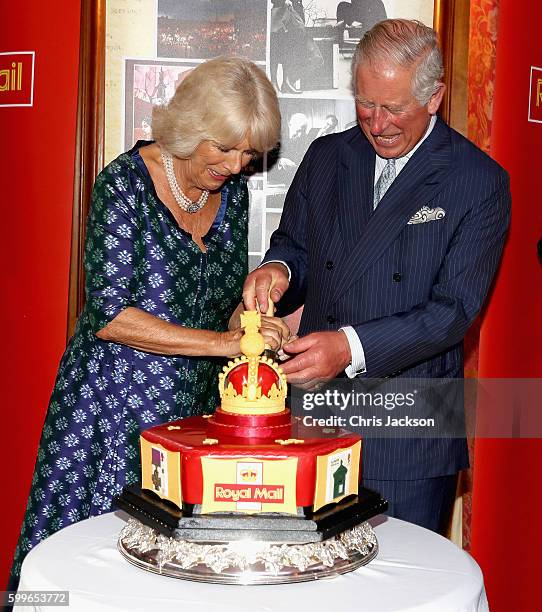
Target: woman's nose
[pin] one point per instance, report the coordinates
(234, 161)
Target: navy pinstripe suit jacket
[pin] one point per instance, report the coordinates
(409, 290)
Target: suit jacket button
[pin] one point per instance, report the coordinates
(331, 319)
(329, 265)
(397, 277)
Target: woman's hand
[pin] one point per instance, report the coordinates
(275, 332)
(145, 332)
(229, 343)
(235, 320)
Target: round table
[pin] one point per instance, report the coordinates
(415, 569)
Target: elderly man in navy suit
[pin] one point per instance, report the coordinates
(391, 235)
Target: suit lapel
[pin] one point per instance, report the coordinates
(417, 184)
(355, 178)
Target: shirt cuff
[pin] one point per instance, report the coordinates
(280, 262)
(357, 365)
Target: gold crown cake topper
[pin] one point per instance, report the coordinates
(252, 384)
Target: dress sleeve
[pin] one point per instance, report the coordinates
(112, 245)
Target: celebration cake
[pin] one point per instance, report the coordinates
(248, 471)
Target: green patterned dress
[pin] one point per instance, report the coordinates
(106, 393)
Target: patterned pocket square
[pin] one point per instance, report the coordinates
(426, 214)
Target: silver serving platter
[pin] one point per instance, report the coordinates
(247, 562)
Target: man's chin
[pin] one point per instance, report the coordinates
(386, 154)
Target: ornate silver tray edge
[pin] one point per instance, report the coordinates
(247, 563)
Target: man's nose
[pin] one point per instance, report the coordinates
(379, 120)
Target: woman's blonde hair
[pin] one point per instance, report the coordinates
(222, 100)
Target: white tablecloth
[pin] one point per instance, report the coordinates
(415, 570)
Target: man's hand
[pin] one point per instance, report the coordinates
(271, 280)
(318, 357)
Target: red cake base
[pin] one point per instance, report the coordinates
(252, 438)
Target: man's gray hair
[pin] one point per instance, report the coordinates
(405, 43)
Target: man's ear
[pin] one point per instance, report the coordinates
(436, 99)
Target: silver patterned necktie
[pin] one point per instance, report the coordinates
(385, 180)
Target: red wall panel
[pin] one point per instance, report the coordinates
(36, 174)
(506, 535)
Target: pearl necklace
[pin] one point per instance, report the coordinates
(182, 200)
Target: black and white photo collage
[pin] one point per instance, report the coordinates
(305, 47)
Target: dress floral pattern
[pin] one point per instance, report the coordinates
(106, 393)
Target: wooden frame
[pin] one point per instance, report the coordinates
(450, 17)
(451, 21)
(89, 147)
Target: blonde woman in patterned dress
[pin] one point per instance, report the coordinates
(165, 260)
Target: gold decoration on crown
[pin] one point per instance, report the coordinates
(251, 400)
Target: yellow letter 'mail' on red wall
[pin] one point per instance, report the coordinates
(17, 78)
(535, 95)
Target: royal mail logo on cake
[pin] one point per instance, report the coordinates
(17, 78)
(271, 494)
(535, 97)
(250, 491)
(249, 475)
(249, 472)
